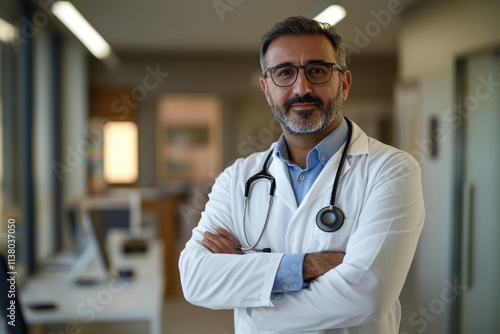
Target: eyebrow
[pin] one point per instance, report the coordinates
(287, 63)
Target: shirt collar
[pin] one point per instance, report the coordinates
(321, 152)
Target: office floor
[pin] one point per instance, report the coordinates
(180, 317)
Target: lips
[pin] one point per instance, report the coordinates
(304, 106)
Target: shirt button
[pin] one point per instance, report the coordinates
(323, 158)
(285, 287)
(302, 177)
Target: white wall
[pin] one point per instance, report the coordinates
(432, 38)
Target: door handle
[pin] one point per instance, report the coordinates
(467, 236)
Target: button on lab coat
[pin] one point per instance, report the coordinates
(380, 194)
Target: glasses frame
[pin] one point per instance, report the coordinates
(303, 67)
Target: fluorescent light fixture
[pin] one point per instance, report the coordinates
(331, 15)
(78, 25)
(8, 33)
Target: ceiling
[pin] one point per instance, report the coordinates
(231, 26)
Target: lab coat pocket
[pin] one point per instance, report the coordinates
(336, 241)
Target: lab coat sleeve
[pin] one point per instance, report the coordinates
(224, 281)
(366, 286)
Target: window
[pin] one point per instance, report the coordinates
(120, 152)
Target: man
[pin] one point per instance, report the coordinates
(306, 260)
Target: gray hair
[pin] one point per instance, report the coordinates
(299, 25)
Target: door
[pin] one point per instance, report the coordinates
(479, 144)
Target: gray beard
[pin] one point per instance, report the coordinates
(329, 113)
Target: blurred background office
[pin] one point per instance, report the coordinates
(171, 98)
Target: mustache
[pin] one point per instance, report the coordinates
(308, 98)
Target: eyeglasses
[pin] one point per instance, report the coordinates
(317, 73)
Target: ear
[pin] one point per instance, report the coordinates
(265, 89)
(346, 84)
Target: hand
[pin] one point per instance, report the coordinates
(318, 264)
(221, 243)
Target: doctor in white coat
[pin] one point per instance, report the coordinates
(283, 251)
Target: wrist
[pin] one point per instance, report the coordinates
(317, 264)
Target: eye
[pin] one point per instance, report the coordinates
(318, 70)
(283, 72)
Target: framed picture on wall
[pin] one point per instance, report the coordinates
(189, 138)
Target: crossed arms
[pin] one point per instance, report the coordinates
(315, 264)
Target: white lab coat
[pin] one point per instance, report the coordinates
(381, 196)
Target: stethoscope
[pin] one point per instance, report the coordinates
(328, 219)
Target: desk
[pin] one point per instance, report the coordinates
(112, 300)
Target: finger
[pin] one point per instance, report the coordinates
(233, 241)
(226, 234)
(223, 244)
(211, 246)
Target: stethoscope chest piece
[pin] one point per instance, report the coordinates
(330, 219)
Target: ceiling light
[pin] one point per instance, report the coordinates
(78, 25)
(331, 15)
(8, 33)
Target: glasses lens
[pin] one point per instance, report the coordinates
(318, 72)
(284, 75)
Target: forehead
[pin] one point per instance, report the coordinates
(299, 50)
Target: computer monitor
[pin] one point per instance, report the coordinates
(97, 216)
(116, 210)
(94, 251)
(11, 313)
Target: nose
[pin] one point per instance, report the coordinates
(302, 85)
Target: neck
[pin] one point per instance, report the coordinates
(299, 146)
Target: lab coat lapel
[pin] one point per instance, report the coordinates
(284, 189)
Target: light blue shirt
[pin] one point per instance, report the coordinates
(289, 276)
